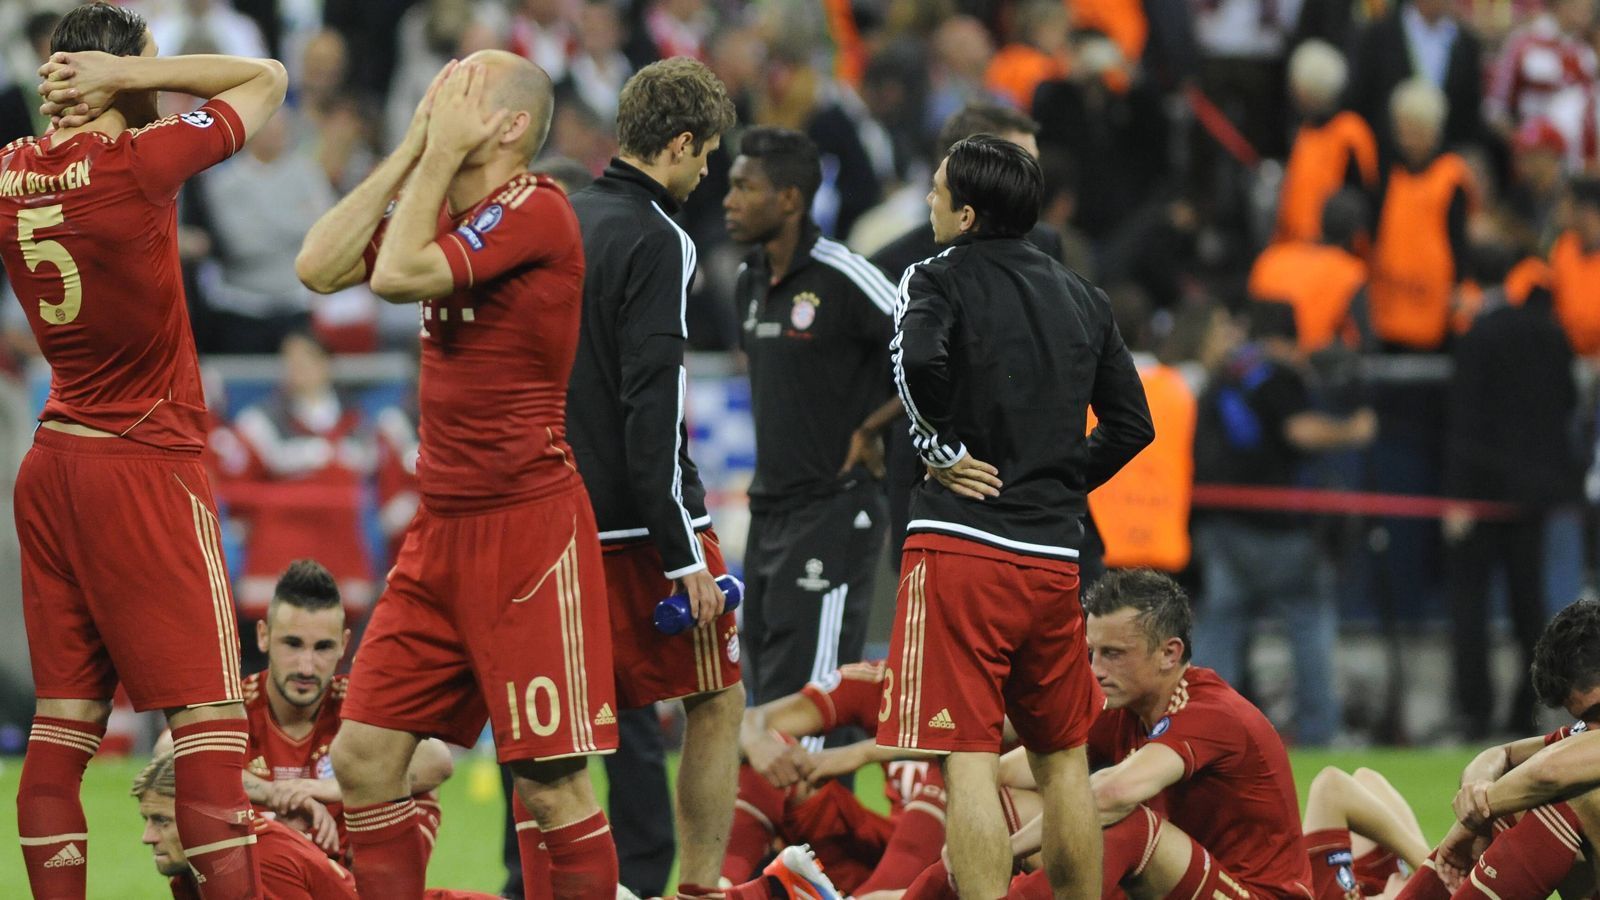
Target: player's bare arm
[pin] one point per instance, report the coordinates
(1557, 772)
(866, 442)
(836, 762)
(1497, 761)
(1015, 771)
(78, 87)
(761, 738)
(331, 257)
(1145, 773)
(411, 267)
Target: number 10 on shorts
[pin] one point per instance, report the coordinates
(529, 701)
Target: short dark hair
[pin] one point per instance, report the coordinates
(666, 99)
(308, 585)
(999, 180)
(1344, 217)
(982, 118)
(1161, 607)
(788, 157)
(116, 30)
(1567, 657)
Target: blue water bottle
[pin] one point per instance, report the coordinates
(673, 615)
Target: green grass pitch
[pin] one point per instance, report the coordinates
(468, 855)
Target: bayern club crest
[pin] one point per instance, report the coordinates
(804, 311)
(733, 646)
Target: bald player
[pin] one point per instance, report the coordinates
(496, 608)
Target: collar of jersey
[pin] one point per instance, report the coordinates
(627, 175)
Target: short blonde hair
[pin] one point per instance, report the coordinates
(1420, 101)
(1318, 71)
(159, 776)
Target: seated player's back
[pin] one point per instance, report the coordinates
(88, 238)
(1237, 797)
(496, 356)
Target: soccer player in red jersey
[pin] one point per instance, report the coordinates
(496, 609)
(294, 710)
(1196, 795)
(292, 867)
(122, 569)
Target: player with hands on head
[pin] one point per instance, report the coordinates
(496, 608)
(119, 536)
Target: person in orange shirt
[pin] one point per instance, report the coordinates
(1321, 279)
(1575, 260)
(1038, 52)
(1332, 149)
(1422, 227)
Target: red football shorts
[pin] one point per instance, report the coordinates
(501, 616)
(980, 633)
(650, 665)
(122, 574)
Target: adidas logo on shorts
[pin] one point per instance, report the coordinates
(941, 719)
(70, 855)
(605, 716)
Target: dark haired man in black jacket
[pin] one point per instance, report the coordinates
(999, 353)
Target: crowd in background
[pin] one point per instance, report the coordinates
(1279, 197)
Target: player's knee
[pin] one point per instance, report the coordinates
(363, 755)
(555, 792)
(1369, 777)
(95, 712)
(1330, 782)
(723, 708)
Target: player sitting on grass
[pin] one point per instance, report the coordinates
(1174, 737)
(293, 710)
(788, 795)
(1528, 810)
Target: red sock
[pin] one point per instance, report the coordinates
(1529, 860)
(1425, 884)
(1128, 845)
(755, 812)
(214, 816)
(429, 815)
(1205, 877)
(583, 860)
(1033, 886)
(50, 822)
(387, 849)
(1373, 869)
(932, 884)
(532, 851)
(918, 837)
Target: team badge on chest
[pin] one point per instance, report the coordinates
(804, 311)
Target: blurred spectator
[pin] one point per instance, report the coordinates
(599, 68)
(19, 102)
(1059, 211)
(398, 496)
(1243, 47)
(1540, 62)
(205, 26)
(961, 49)
(314, 452)
(571, 175)
(858, 152)
(260, 206)
(576, 132)
(542, 31)
(671, 28)
(1119, 139)
(1575, 262)
(1257, 425)
(1422, 227)
(1125, 22)
(336, 132)
(1419, 39)
(1322, 280)
(738, 57)
(1532, 201)
(1332, 149)
(1512, 400)
(1037, 52)
(429, 35)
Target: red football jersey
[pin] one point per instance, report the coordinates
(852, 695)
(273, 755)
(496, 353)
(1565, 731)
(88, 237)
(1237, 796)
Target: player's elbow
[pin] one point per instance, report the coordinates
(275, 78)
(1114, 797)
(313, 275)
(397, 286)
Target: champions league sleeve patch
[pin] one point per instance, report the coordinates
(481, 224)
(473, 239)
(1161, 727)
(199, 118)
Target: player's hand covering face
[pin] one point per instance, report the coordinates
(461, 120)
(77, 87)
(417, 131)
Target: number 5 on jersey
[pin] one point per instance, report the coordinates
(36, 252)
